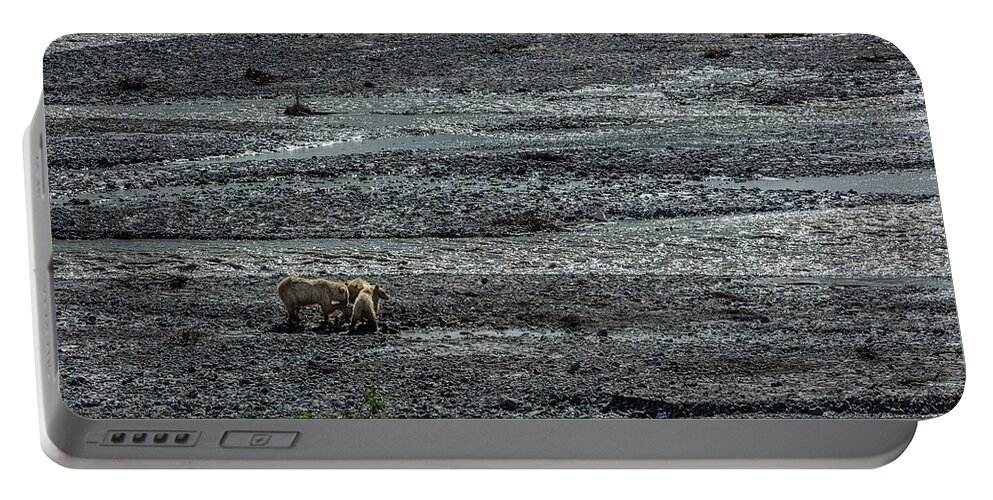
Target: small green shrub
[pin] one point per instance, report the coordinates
(374, 402)
(305, 415)
(374, 405)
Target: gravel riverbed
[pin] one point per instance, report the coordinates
(651, 226)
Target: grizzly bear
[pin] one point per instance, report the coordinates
(367, 306)
(298, 292)
(354, 287)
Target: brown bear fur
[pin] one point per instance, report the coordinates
(298, 292)
(354, 287)
(366, 307)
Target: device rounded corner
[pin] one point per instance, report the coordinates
(889, 456)
(55, 41)
(897, 52)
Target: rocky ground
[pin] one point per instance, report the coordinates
(183, 68)
(562, 222)
(459, 346)
(838, 312)
(493, 135)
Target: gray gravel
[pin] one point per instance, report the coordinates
(570, 226)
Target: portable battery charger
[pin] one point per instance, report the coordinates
(482, 250)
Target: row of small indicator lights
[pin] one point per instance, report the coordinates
(158, 438)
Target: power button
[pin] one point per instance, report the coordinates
(259, 439)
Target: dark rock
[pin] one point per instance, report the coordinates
(321, 367)
(259, 77)
(509, 404)
(716, 53)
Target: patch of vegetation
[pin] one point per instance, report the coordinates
(716, 53)
(374, 405)
(374, 402)
(305, 415)
(259, 77)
